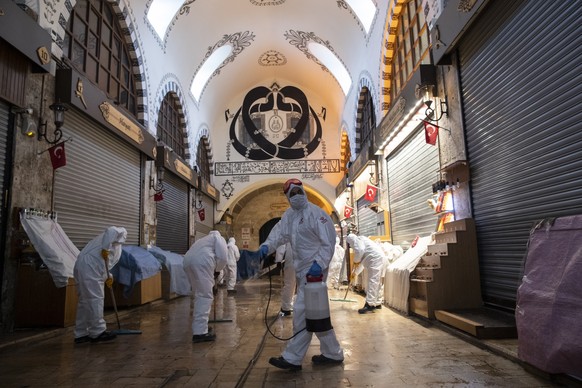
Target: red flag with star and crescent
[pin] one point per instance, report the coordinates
(371, 193)
(348, 211)
(431, 132)
(58, 157)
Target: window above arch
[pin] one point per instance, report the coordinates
(202, 159)
(95, 46)
(171, 126)
(366, 122)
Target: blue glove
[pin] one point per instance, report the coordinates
(264, 251)
(315, 270)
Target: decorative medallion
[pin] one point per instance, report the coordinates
(272, 58)
(227, 189)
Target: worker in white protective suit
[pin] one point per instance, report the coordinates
(230, 269)
(370, 256)
(336, 264)
(92, 272)
(284, 252)
(311, 234)
(203, 263)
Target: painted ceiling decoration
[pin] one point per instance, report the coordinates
(272, 58)
(283, 114)
(266, 2)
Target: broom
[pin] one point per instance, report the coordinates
(119, 330)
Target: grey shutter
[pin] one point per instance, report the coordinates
(172, 215)
(100, 185)
(522, 88)
(4, 118)
(412, 169)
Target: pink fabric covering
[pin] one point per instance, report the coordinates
(549, 300)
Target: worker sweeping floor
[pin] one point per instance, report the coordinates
(382, 349)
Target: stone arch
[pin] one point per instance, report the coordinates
(390, 36)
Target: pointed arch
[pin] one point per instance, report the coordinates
(203, 153)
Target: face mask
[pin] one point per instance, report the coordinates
(298, 201)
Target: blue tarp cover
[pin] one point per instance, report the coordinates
(135, 264)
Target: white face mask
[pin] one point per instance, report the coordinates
(298, 201)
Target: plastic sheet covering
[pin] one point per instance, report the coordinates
(174, 263)
(135, 264)
(249, 264)
(55, 249)
(397, 278)
(549, 300)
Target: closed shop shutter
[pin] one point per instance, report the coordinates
(370, 223)
(172, 215)
(521, 87)
(412, 169)
(100, 185)
(4, 115)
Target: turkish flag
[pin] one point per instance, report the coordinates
(370, 193)
(201, 214)
(159, 196)
(431, 132)
(348, 211)
(58, 157)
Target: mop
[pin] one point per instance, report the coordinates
(349, 282)
(119, 330)
(214, 308)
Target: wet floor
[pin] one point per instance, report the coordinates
(382, 349)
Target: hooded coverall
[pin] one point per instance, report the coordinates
(311, 233)
(371, 256)
(230, 269)
(289, 282)
(205, 257)
(90, 274)
(335, 266)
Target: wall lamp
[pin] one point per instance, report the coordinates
(157, 185)
(431, 114)
(197, 200)
(59, 112)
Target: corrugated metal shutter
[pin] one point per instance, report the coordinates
(521, 88)
(100, 185)
(412, 170)
(370, 223)
(172, 215)
(4, 118)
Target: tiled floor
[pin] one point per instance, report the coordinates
(383, 349)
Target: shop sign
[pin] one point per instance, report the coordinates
(121, 122)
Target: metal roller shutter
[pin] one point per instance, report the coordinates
(172, 215)
(521, 87)
(4, 119)
(412, 170)
(100, 185)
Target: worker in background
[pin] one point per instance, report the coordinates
(335, 267)
(311, 234)
(370, 256)
(91, 272)
(230, 274)
(203, 263)
(284, 253)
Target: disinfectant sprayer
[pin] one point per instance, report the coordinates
(316, 305)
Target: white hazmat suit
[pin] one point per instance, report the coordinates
(311, 234)
(90, 273)
(230, 269)
(289, 282)
(336, 264)
(371, 257)
(205, 257)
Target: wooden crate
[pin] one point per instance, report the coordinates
(39, 303)
(143, 292)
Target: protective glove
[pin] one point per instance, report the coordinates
(109, 282)
(315, 270)
(264, 251)
(105, 254)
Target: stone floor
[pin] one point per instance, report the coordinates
(383, 349)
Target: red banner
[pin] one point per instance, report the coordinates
(201, 214)
(158, 196)
(371, 193)
(431, 132)
(58, 157)
(348, 211)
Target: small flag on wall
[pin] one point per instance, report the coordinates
(58, 157)
(201, 214)
(431, 132)
(371, 193)
(348, 211)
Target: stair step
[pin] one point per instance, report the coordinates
(483, 323)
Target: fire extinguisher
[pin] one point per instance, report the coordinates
(317, 317)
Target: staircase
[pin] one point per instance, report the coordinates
(447, 276)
